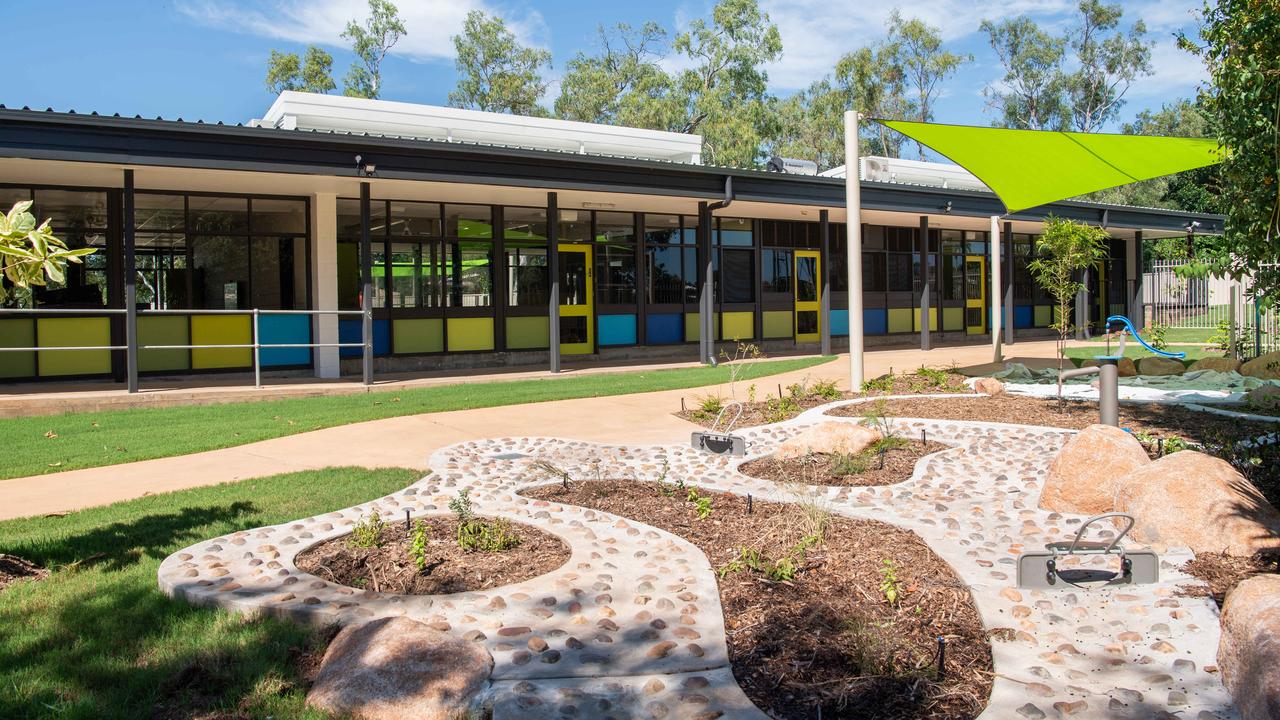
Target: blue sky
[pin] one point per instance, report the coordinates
(206, 58)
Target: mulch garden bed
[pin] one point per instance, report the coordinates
(826, 643)
(14, 569)
(1220, 572)
(826, 468)
(449, 568)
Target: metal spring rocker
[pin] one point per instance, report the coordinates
(1040, 569)
(721, 442)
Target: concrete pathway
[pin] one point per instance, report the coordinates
(408, 441)
(632, 622)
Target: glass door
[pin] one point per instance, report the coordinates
(975, 294)
(577, 301)
(808, 290)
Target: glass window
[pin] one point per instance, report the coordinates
(953, 277)
(898, 272)
(413, 219)
(616, 274)
(279, 273)
(349, 218)
(348, 274)
(873, 237)
(9, 196)
(952, 242)
(693, 274)
(806, 278)
(468, 221)
(524, 224)
(735, 232)
(527, 284)
(469, 278)
(575, 226)
(775, 271)
(574, 274)
(220, 272)
(915, 272)
(615, 227)
(279, 217)
(667, 278)
(161, 262)
(873, 272)
(737, 276)
(218, 215)
(159, 213)
(413, 282)
(690, 232)
(839, 264)
(975, 243)
(71, 209)
(662, 229)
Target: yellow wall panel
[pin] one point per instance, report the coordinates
(79, 332)
(933, 319)
(162, 330)
(953, 318)
(221, 330)
(900, 319)
(525, 333)
(738, 326)
(777, 324)
(470, 334)
(17, 332)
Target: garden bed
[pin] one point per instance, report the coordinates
(1220, 572)
(15, 569)
(861, 470)
(390, 568)
(826, 642)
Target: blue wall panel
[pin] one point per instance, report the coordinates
(284, 329)
(839, 323)
(1022, 316)
(616, 329)
(664, 328)
(875, 321)
(349, 332)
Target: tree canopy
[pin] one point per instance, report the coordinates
(495, 71)
(370, 43)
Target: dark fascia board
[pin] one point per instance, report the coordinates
(168, 143)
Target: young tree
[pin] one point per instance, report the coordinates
(623, 84)
(30, 255)
(371, 43)
(1032, 93)
(1064, 251)
(924, 62)
(1108, 64)
(495, 72)
(285, 71)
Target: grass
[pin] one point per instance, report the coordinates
(1135, 351)
(37, 445)
(1193, 336)
(97, 639)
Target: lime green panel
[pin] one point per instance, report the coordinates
(900, 320)
(952, 318)
(525, 333)
(738, 326)
(692, 331)
(162, 330)
(419, 335)
(20, 332)
(470, 334)
(79, 332)
(933, 320)
(221, 330)
(776, 324)
(1042, 315)
(1028, 168)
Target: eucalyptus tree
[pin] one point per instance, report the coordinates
(496, 72)
(313, 73)
(371, 42)
(623, 84)
(924, 62)
(1032, 93)
(1109, 61)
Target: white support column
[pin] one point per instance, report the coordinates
(324, 282)
(997, 290)
(853, 221)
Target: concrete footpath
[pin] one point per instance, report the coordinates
(409, 441)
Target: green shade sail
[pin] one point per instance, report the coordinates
(1028, 168)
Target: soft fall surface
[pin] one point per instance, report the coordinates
(97, 639)
(45, 444)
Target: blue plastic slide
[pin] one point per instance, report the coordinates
(1128, 326)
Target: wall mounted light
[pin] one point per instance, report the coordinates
(365, 168)
(947, 208)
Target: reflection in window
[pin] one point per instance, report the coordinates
(575, 226)
(898, 272)
(734, 232)
(527, 274)
(672, 273)
(415, 275)
(221, 215)
(410, 219)
(469, 276)
(468, 221)
(279, 268)
(616, 274)
(873, 272)
(161, 261)
(737, 275)
(615, 227)
(806, 279)
(662, 229)
(775, 273)
(220, 272)
(952, 277)
(524, 223)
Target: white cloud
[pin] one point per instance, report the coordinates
(1177, 73)
(430, 24)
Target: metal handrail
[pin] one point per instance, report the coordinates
(256, 346)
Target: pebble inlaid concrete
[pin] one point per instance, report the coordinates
(632, 625)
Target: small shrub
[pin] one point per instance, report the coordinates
(475, 534)
(1156, 336)
(549, 470)
(883, 384)
(890, 585)
(702, 503)
(460, 506)
(368, 532)
(418, 546)
(710, 404)
(779, 409)
(848, 464)
(933, 378)
(826, 390)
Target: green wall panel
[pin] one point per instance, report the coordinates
(777, 324)
(953, 319)
(900, 320)
(17, 332)
(524, 333)
(221, 330)
(163, 330)
(418, 335)
(79, 332)
(691, 326)
(738, 326)
(470, 334)
(933, 319)
(1043, 313)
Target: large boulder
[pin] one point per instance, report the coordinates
(396, 668)
(1217, 364)
(1265, 366)
(1160, 366)
(1249, 650)
(988, 386)
(1082, 477)
(829, 437)
(1189, 499)
(1124, 366)
(1264, 397)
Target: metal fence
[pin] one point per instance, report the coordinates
(1210, 310)
(131, 355)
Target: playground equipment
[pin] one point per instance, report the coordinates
(1041, 570)
(1109, 372)
(722, 442)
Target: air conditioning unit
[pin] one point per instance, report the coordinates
(792, 166)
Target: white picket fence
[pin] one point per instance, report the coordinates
(1206, 304)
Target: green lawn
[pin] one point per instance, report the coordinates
(36, 445)
(1135, 351)
(97, 639)
(1197, 336)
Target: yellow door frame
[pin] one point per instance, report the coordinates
(979, 302)
(587, 310)
(815, 305)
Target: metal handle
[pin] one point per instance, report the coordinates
(734, 421)
(1095, 519)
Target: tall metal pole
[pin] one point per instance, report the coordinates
(130, 287)
(366, 283)
(925, 343)
(824, 305)
(997, 291)
(553, 270)
(853, 219)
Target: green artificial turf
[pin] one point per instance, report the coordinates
(36, 445)
(97, 639)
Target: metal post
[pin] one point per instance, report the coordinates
(553, 270)
(1008, 284)
(853, 219)
(824, 305)
(1137, 312)
(997, 289)
(1109, 393)
(130, 287)
(1232, 347)
(924, 283)
(706, 303)
(366, 283)
(257, 355)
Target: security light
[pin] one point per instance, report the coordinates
(365, 168)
